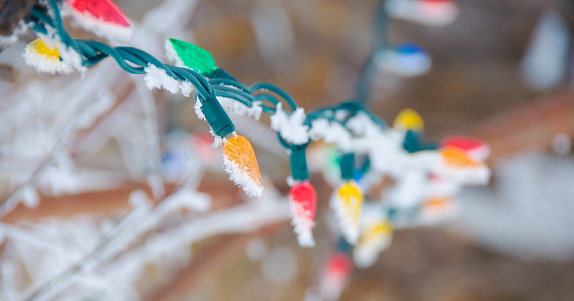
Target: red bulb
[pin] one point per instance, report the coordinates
(339, 263)
(304, 200)
(435, 1)
(335, 275)
(103, 10)
(303, 205)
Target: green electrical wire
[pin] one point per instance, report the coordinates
(134, 61)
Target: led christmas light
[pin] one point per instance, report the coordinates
(437, 12)
(335, 275)
(456, 158)
(435, 210)
(436, 204)
(347, 202)
(185, 54)
(412, 60)
(409, 119)
(241, 165)
(303, 205)
(406, 60)
(427, 12)
(45, 58)
(375, 237)
(102, 17)
(456, 164)
(477, 150)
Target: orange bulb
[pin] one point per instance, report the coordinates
(476, 149)
(241, 165)
(457, 158)
(437, 203)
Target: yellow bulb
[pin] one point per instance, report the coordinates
(347, 203)
(409, 119)
(375, 237)
(39, 47)
(351, 198)
(377, 230)
(241, 165)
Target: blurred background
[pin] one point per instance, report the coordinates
(500, 71)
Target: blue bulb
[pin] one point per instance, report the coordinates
(408, 48)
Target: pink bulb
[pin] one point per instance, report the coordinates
(304, 202)
(103, 10)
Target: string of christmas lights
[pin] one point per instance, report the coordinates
(435, 171)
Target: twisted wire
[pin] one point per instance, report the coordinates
(134, 60)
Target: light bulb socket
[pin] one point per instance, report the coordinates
(216, 116)
(347, 166)
(299, 170)
(413, 142)
(343, 246)
(366, 166)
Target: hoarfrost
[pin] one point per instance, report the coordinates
(241, 178)
(232, 107)
(362, 125)
(157, 78)
(331, 132)
(290, 126)
(172, 54)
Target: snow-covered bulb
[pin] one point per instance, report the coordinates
(454, 164)
(409, 119)
(436, 210)
(303, 205)
(335, 275)
(101, 17)
(185, 54)
(241, 165)
(376, 235)
(406, 60)
(476, 149)
(347, 202)
(426, 12)
(44, 55)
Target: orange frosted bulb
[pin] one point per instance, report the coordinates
(241, 165)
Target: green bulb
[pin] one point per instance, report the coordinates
(191, 56)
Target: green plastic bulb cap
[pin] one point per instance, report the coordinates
(217, 118)
(299, 170)
(347, 166)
